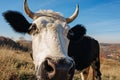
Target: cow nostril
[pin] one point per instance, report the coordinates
(71, 71)
(49, 67)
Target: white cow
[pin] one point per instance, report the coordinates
(49, 41)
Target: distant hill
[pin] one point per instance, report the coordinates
(9, 43)
(25, 43)
(110, 51)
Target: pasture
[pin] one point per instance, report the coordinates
(18, 65)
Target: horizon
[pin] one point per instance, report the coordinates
(22, 38)
(101, 18)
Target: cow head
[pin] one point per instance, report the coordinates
(77, 32)
(49, 41)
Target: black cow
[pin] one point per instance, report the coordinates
(85, 51)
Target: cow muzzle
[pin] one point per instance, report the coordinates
(61, 69)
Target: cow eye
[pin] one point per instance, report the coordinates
(71, 33)
(33, 29)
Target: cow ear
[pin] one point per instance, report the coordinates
(17, 21)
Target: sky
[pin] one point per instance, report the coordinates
(100, 17)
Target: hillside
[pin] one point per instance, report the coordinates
(110, 51)
(14, 66)
(7, 42)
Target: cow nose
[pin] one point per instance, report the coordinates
(61, 69)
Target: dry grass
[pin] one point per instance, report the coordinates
(17, 65)
(110, 69)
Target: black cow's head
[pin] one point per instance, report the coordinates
(76, 32)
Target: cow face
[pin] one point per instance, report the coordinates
(76, 33)
(49, 41)
(50, 48)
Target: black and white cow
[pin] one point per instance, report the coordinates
(85, 51)
(49, 41)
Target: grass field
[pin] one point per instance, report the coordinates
(17, 65)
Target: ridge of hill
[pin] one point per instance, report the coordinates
(9, 43)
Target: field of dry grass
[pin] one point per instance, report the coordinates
(17, 65)
(110, 69)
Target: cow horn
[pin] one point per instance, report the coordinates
(75, 14)
(27, 10)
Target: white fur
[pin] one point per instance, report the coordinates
(50, 13)
(51, 41)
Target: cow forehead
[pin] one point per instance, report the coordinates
(48, 16)
(50, 13)
(45, 21)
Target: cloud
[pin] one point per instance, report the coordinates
(106, 25)
(103, 21)
(110, 10)
(108, 38)
(105, 31)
